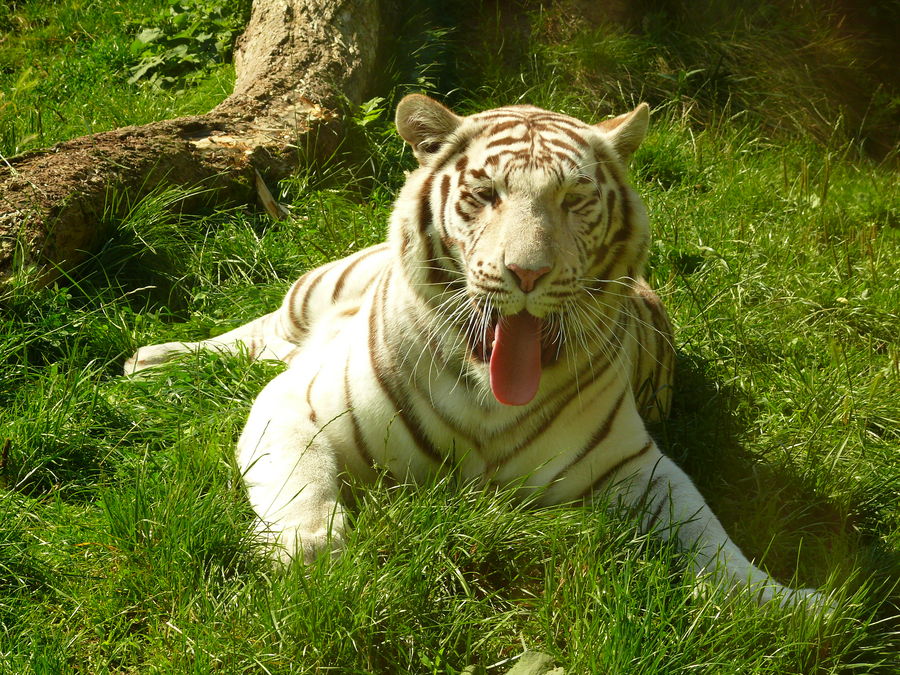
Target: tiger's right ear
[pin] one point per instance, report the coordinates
(626, 132)
(425, 124)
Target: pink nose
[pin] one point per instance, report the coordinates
(527, 277)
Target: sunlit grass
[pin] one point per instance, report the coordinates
(64, 73)
(125, 536)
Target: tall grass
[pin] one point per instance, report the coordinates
(125, 538)
(825, 70)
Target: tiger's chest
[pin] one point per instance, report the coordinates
(534, 444)
(385, 405)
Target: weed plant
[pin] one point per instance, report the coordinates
(126, 540)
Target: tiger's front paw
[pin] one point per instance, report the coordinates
(762, 588)
(771, 592)
(814, 600)
(304, 542)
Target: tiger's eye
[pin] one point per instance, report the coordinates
(571, 200)
(486, 194)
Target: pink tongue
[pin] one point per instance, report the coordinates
(516, 359)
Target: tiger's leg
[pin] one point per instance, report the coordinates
(261, 339)
(273, 336)
(291, 473)
(672, 506)
(277, 334)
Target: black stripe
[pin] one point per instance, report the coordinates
(610, 207)
(433, 275)
(445, 192)
(626, 230)
(556, 118)
(556, 143)
(553, 405)
(292, 297)
(463, 146)
(503, 126)
(398, 400)
(304, 306)
(444, 363)
(341, 280)
(426, 217)
(600, 170)
(598, 436)
(572, 388)
(312, 411)
(359, 441)
(467, 217)
(611, 253)
(598, 481)
(506, 140)
(571, 134)
(500, 114)
(548, 155)
(656, 513)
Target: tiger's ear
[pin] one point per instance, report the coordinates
(425, 124)
(626, 132)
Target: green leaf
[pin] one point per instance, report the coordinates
(149, 35)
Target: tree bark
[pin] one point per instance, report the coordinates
(296, 64)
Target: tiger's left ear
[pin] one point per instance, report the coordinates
(626, 132)
(425, 124)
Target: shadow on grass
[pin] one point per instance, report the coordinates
(772, 512)
(145, 279)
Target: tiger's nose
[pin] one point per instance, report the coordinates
(527, 277)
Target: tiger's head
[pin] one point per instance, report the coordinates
(520, 225)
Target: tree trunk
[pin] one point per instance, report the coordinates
(296, 63)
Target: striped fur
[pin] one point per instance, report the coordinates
(513, 212)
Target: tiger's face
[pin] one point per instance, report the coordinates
(523, 217)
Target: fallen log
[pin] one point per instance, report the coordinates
(297, 65)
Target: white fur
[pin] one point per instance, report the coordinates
(307, 425)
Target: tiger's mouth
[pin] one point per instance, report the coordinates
(517, 348)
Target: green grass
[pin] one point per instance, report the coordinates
(64, 71)
(125, 541)
(824, 70)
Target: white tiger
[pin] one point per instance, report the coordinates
(503, 329)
